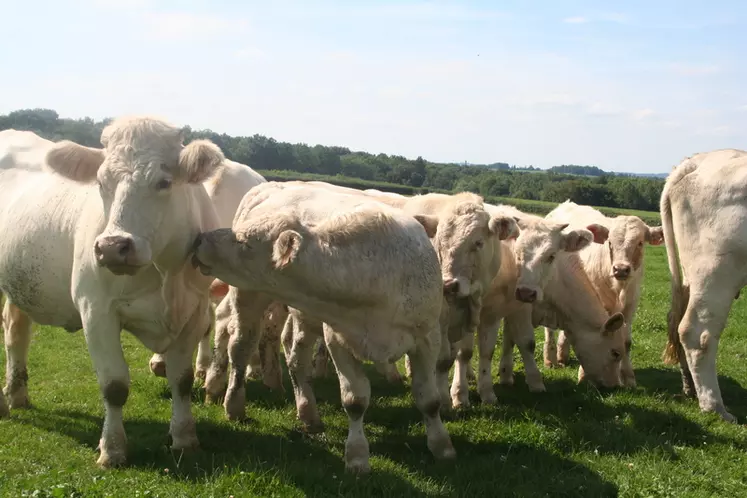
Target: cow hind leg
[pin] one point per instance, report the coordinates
(355, 394)
(389, 371)
(427, 397)
(627, 374)
(269, 346)
(487, 334)
(17, 325)
(298, 344)
(523, 336)
(204, 356)
(700, 332)
(321, 360)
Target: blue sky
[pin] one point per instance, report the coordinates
(627, 86)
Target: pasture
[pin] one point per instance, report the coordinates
(570, 441)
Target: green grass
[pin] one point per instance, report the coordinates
(526, 205)
(569, 441)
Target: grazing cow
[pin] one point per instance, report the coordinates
(544, 285)
(104, 245)
(366, 270)
(615, 268)
(704, 216)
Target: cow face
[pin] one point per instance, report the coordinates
(627, 236)
(142, 175)
(600, 351)
(462, 237)
(536, 248)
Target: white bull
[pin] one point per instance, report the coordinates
(103, 245)
(704, 216)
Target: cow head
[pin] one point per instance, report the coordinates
(627, 236)
(464, 234)
(600, 351)
(537, 246)
(143, 175)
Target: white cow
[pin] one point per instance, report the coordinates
(704, 216)
(367, 271)
(226, 189)
(615, 269)
(544, 285)
(102, 245)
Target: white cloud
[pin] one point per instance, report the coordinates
(576, 20)
(180, 26)
(694, 69)
(640, 114)
(252, 53)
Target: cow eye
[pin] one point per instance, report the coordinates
(163, 184)
(616, 354)
(551, 258)
(479, 244)
(640, 244)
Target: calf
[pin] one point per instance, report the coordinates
(539, 282)
(367, 271)
(614, 268)
(704, 216)
(102, 245)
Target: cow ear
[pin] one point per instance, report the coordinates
(199, 160)
(655, 236)
(285, 249)
(73, 161)
(613, 323)
(429, 222)
(600, 232)
(575, 240)
(503, 226)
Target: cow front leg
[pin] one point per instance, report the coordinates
(564, 349)
(216, 379)
(428, 399)
(299, 337)
(248, 308)
(102, 334)
(269, 346)
(389, 371)
(487, 335)
(521, 331)
(462, 366)
(204, 356)
(17, 325)
(550, 349)
(355, 394)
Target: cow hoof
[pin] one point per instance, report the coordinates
(201, 374)
(489, 398)
(313, 427)
(4, 408)
(630, 383)
(274, 383)
(188, 446)
(19, 401)
(460, 402)
(726, 416)
(445, 452)
(537, 388)
(158, 368)
(358, 466)
(252, 374)
(111, 460)
(213, 398)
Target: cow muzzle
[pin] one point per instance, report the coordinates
(621, 271)
(526, 295)
(456, 287)
(198, 247)
(117, 253)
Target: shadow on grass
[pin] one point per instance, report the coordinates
(669, 381)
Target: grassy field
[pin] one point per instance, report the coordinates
(570, 441)
(528, 206)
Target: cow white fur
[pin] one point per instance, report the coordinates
(367, 271)
(103, 245)
(615, 269)
(704, 216)
(540, 282)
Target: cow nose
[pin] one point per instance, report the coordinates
(451, 286)
(621, 271)
(526, 295)
(113, 249)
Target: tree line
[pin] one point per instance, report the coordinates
(582, 184)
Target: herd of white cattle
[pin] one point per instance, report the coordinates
(169, 242)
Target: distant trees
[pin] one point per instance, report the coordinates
(582, 184)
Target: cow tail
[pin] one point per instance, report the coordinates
(680, 293)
